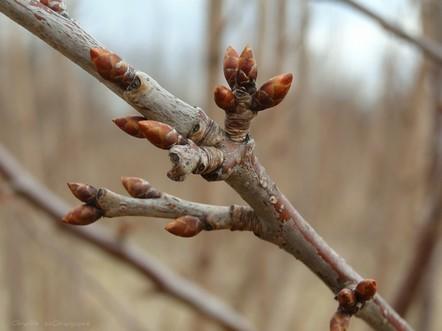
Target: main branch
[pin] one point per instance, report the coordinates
(232, 149)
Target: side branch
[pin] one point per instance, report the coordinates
(429, 47)
(191, 217)
(167, 281)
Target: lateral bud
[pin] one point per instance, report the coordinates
(366, 289)
(112, 68)
(84, 192)
(247, 69)
(224, 98)
(230, 66)
(185, 226)
(272, 92)
(160, 134)
(130, 125)
(82, 215)
(139, 188)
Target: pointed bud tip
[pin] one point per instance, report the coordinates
(130, 125)
(83, 192)
(286, 79)
(82, 215)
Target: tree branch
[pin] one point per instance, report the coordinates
(430, 48)
(168, 282)
(279, 222)
(147, 201)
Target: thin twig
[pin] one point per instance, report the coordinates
(429, 47)
(167, 281)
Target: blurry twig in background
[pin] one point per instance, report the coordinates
(24, 185)
(123, 316)
(429, 47)
(421, 262)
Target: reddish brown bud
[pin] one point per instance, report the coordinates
(160, 134)
(272, 92)
(366, 289)
(82, 215)
(111, 67)
(83, 192)
(130, 125)
(340, 322)
(185, 226)
(247, 70)
(346, 299)
(231, 59)
(224, 98)
(58, 6)
(140, 188)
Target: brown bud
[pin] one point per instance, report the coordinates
(231, 59)
(340, 322)
(366, 289)
(82, 215)
(346, 299)
(83, 192)
(58, 6)
(160, 134)
(111, 67)
(272, 92)
(247, 69)
(130, 125)
(140, 188)
(224, 98)
(185, 226)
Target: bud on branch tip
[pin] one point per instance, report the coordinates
(272, 92)
(247, 69)
(224, 98)
(83, 192)
(82, 215)
(185, 226)
(130, 125)
(231, 59)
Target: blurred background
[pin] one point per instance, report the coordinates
(350, 147)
